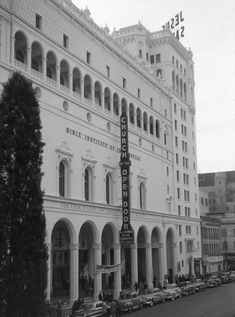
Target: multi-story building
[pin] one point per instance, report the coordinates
(210, 238)
(172, 64)
(84, 80)
(220, 187)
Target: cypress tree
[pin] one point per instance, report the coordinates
(23, 252)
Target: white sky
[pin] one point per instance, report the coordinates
(210, 32)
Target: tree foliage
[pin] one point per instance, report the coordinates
(23, 252)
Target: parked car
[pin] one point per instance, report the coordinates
(232, 276)
(199, 285)
(217, 280)
(187, 288)
(172, 291)
(129, 300)
(152, 297)
(93, 309)
(211, 283)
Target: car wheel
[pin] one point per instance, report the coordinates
(163, 300)
(141, 305)
(180, 295)
(152, 303)
(186, 293)
(173, 298)
(130, 309)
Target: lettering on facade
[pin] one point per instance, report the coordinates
(175, 25)
(98, 142)
(126, 233)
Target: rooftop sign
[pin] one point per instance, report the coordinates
(175, 25)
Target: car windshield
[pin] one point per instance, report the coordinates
(125, 296)
(88, 306)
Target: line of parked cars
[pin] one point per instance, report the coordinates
(130, 300)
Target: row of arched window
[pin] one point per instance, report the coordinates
(88, 185)
(71, 80)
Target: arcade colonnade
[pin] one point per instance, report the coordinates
(84, 262)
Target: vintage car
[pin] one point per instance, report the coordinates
(211, 283)
(187, 288)
(199, 285)
(172, 291)
(93, 309)
(152, 297)
(129, 300)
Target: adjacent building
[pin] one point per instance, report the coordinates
(85, 78)
(220, 187)
(211, 239)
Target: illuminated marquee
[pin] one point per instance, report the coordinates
(174, 24)
(126, 233)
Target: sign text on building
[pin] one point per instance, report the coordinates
(126, 233)
(175, 25)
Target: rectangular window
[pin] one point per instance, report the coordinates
(177, 158)
(179, 210)
(159, 73)
(180, 230)
(176, 125)
(151, 102)
(176, 141)
(140, 53)
(138, 93)
(147, 57)
(178, 193)
(38, 21)
(178, 176)
(158, 58)
(88, 57)
(151, 59)
(107, 70)
(65, 41)
(175, 108)
(181, 247)
(124, 82)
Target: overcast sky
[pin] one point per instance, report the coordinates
(210, 32)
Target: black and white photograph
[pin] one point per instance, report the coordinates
(117, 158)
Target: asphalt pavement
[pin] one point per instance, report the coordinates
(213, 302)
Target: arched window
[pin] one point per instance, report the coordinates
(64, 73)
(87, 184)
(142, 195)
(87, 87)
(108, 184)
(107, 98)
(115, 104)
(36, 57)
(98, 93)
(151, 125)
(62, 179)
(145, 121)
(157, 127)
(173, 80)
(138, 117)
(76, 81)
(132, 113)
(20, 47)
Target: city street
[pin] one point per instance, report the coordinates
(214, 302)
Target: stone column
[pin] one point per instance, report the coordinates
(49, 272)
(70, 78)
(149, 267)
(58, 75)
(134, 264)
(44, 67)
(97, 276)
(162, 262)
(74, 254)
(82, 88)
(12, 50)
(117, 274)
(29, 57)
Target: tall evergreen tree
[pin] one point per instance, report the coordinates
(23, 252)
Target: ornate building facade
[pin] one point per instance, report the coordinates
(84, 79)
